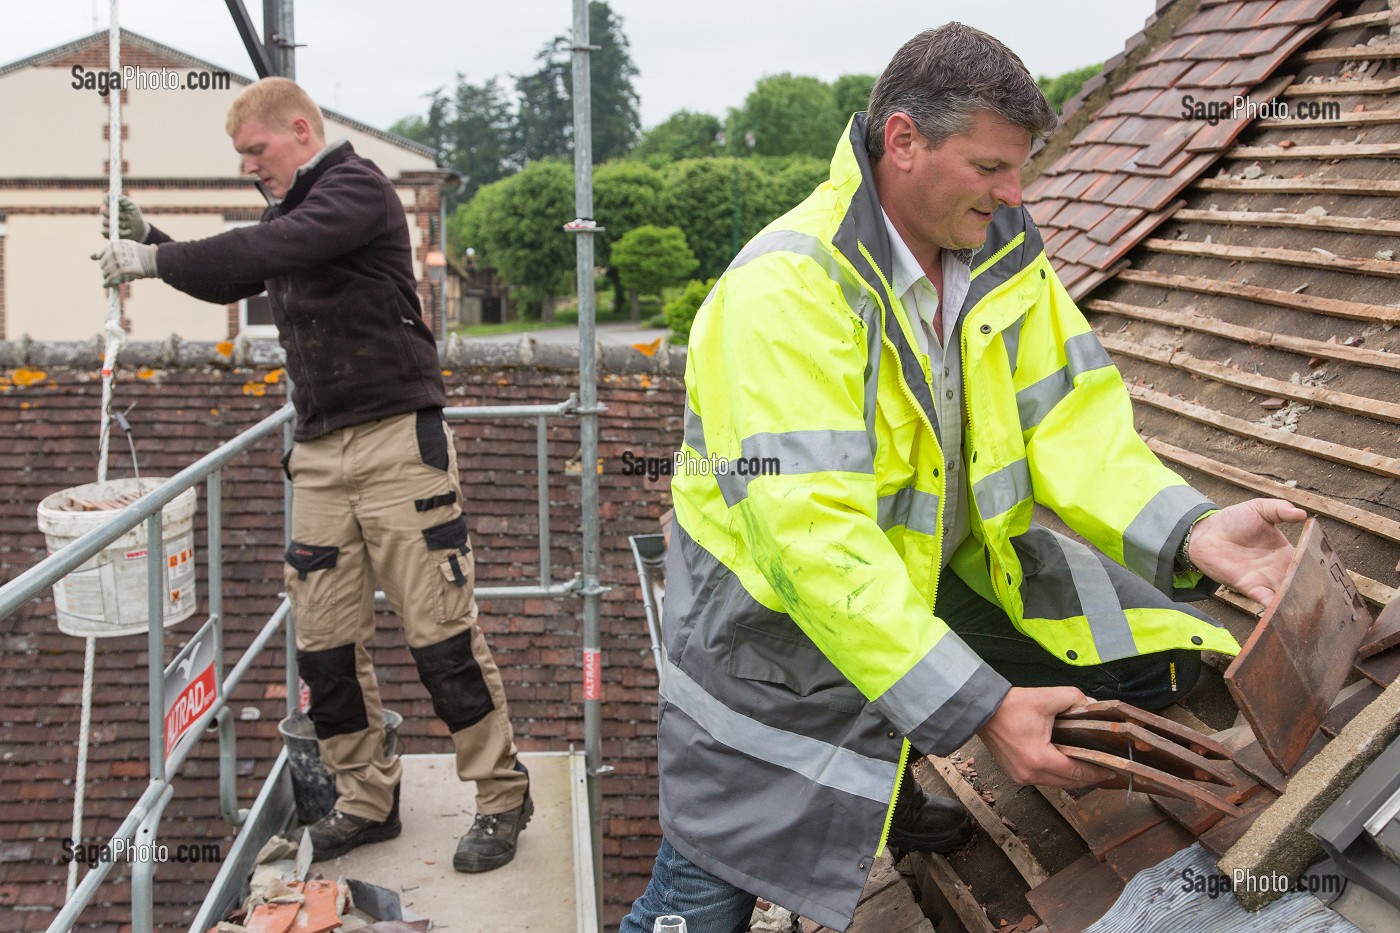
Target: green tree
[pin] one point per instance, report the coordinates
(700, 197)
(626, 195)
(651, 258)
(517, 225)
(546, 116)
(852, 93)
(786, 115)
(796, 177)
(682, 135)
(680, 311)
(1061, 88)
(473, 132)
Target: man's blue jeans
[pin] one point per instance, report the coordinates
(678, 886)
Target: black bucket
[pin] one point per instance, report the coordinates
(313, 788)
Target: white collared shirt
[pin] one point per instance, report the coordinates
(919, 296)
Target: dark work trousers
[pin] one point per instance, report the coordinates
(1149, 681)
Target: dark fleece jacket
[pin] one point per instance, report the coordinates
(335, 259)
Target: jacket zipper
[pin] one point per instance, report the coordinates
(937, 543)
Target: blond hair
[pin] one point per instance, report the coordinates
(275, 102)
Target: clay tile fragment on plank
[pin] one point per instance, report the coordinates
(1107, 818)
(1076, 896)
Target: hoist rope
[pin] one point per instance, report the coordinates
(115, 339)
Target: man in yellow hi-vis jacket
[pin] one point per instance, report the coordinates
(879, 390)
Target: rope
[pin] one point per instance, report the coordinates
(84, 730)
(116, 338)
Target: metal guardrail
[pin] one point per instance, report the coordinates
(140, 829)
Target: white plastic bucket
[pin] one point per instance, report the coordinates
(107, 595)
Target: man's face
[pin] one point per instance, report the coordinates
(273, 155)
(953, 190)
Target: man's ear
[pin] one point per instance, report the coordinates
(901, 139)
(301, 129)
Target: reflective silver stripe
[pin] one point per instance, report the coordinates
(1083, 353)
(869, 313)
(913, 508)
(803, 244)
(694, 431)
(1003, 489)
(1146, 537)
(929, 684)
(1113, 636)
(1034, 402)
(796, 452)
(1011, 339)
(828, 765)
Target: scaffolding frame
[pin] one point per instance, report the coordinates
(140, 828)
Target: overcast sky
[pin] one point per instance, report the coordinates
(374, 60)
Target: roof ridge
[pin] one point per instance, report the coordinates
(152, 45)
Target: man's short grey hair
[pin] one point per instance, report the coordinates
(942, 76)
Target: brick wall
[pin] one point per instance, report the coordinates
(2, 276)
(180, 413)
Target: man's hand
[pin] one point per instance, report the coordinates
(130, 224)
(126, 260)
(1242, 547)
(1018, 734)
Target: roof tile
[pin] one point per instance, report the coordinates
(1113, 226)
(1173, 138)
(1162, 74)
(1293, 11)
(1136, 130)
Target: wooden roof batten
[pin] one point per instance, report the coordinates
(1267, 285)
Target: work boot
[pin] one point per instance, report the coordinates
(337, 833)
(925, 823)
(490, 843)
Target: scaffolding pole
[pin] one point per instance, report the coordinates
(583, 226)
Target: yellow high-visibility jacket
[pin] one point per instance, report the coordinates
(803, 656)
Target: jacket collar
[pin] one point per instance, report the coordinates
(334, 153)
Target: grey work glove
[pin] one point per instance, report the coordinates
(130, 224)
(126, 260)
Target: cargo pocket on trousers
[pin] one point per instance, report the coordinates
(449, 547)
(432, 438)
(311, 581)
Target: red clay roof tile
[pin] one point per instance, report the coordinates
(1171, 141)
(1113, 226)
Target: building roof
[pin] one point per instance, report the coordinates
(1243, 275)
(60, 52)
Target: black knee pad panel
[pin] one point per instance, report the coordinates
(337, 703)
(454, 681)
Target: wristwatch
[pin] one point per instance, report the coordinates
(1183, 554)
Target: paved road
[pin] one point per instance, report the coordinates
(612, 334)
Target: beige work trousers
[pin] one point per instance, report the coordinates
(382, 501)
